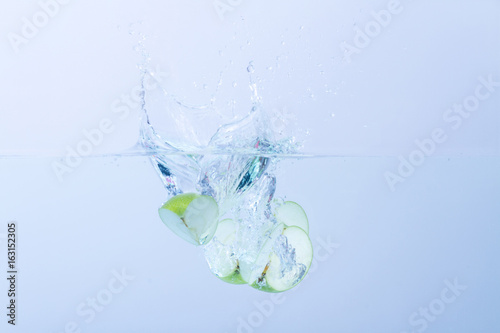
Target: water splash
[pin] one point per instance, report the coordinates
(188, 141)
(232, 159)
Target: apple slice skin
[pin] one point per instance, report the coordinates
(240, 275)
(234, 278)
(263, 286)
(179, 203)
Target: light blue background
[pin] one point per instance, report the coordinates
(395, 249)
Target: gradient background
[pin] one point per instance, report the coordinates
(393, 249)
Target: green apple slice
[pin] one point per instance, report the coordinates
(220, 256)
(262, 259)
(226, 231)
(289, 265)
(286, 264)
(292, 214)
(191, 216)
(245, 269)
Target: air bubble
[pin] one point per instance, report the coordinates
(250, 68)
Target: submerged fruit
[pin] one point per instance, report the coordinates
(191, 216)
(221, 259)
(292, 214)
(283, 261)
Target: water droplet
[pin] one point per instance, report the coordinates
(205, 86)
(235, 84)
(250, 68)
(332, 115)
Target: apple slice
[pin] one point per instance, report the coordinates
(245, 268)
(287, 256)
(219, 253)
(290, 261)
(191, 216)
(260, 263)
(292, 214)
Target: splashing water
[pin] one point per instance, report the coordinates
(198, 149)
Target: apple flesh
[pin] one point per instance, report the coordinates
(292, 214)
(283, 261)
(220, 253)
(191, 216)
